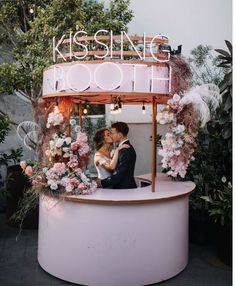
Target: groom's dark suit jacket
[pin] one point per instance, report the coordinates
(123, 176)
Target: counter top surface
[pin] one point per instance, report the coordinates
(165, 189)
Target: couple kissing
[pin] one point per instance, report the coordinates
(115, 171)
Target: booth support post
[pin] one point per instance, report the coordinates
(80, 114)
(154, 142)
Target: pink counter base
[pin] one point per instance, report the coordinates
(120, 238)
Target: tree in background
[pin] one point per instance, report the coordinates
(204, 65)
(27, 28)
(212, 166)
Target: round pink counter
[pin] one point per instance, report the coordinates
(116, 237)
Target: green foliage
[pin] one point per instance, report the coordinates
(4, 127)
(204, 66)
(28, 36)
(213, 158)
(220, 203)
(14, 155)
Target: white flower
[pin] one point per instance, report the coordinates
(50, 181)
(52, 144)
(181, 128)
(72, 122)
(66, 155)
(84, 178)
(176, 97)
(53, 186)
(69, 188)
(223, 179)
(54, 118)
(64, 181)
(162, 121)
(59, 142)
(171, 117)
(68, 140)
(45, 169)
(77, 128)
(158, 117)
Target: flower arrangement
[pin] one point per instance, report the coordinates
(189, 112)
(66, 158)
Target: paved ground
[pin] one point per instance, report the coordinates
(19, 266)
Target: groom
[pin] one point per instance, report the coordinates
(123, 176)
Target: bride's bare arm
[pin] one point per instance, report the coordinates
(111, 165)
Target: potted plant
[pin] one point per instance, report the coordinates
(202, 172)
(220, 209)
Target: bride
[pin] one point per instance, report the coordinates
(103, 161)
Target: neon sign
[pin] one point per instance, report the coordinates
(108, 46)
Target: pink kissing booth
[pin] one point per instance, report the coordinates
(115, 237)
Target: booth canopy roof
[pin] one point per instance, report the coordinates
(109, 97)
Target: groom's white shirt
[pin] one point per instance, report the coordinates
(122, 142)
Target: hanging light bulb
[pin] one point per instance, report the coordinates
(56, 109)
(119, 107)
(31, 9)
(112, 107)
(85, 111)
(143, 109)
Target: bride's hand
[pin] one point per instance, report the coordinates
(124, 146)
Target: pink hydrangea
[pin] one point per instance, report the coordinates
(81, 137)
(83, 149)
(72, 163)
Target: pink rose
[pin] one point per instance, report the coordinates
(29, 171)
(81, 186)
(74, 146)
(23, 165)
(47, 153)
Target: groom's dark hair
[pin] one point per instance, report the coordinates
(121, 127)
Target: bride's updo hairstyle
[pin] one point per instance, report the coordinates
(99, 138)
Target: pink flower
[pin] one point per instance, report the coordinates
(81, 137)
(23, 165)
(72, 163)
(74, 146)
(78, 171)
(81, 186)
(47, 153)
(29, 171)
(83, 149)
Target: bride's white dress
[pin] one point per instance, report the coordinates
(103, 173)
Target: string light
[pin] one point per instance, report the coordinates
(56, 109)
(31, 9)
(143, 109)
(85, 111)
